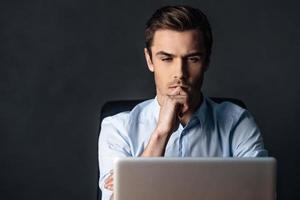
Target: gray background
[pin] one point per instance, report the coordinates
(60, 60)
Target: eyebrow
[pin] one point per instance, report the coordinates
(194, 54)
(163, 53)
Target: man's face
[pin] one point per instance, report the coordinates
(178, 60)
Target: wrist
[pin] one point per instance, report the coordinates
(161, 133)
(157, 144)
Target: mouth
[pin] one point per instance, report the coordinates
(179, 85)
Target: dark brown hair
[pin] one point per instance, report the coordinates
(179, 18)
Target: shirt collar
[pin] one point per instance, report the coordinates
(156, 108)
(200, 113)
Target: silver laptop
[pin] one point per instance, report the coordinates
(195, 179)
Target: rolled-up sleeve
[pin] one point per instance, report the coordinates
(112, 143)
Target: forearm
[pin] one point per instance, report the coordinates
(157, 144)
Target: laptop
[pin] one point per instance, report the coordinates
(195, 178)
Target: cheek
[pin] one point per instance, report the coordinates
(161, 80)
(196, 76)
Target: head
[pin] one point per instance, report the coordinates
(178, 47)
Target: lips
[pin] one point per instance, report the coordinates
(178, 85)
(173, 88)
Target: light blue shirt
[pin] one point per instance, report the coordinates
(222, 130)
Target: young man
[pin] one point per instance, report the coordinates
(180, 121)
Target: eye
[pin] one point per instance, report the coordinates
(194, 59)
(166, 59)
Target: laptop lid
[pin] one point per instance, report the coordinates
(195, 178)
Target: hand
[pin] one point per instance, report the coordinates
(172, 109)
(109, 182)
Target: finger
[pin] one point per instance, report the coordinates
(176, 104)
(178, 92)
(108, 182)
(108, 179)
(182, 104)
(109, 185)
(179, 99)
(175, 91)
(178, 95)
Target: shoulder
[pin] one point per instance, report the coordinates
(116, 120)
(226, 110)
(122, 119)
(142, 111)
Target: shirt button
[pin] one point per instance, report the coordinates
(183, 132)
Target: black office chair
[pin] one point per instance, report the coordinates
(114, 107)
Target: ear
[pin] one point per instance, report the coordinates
(148, 60)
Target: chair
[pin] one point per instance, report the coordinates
(114, 107)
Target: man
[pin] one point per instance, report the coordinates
(180, 121)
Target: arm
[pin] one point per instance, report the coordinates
(112, 144)
(247, 139)
(168, 122)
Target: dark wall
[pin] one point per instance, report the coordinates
(60, 60)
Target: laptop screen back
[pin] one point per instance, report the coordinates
(195, 178)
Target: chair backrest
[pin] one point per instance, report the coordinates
(114, 107)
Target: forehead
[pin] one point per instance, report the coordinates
(177, 42)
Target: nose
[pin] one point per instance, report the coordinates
(180, 69)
